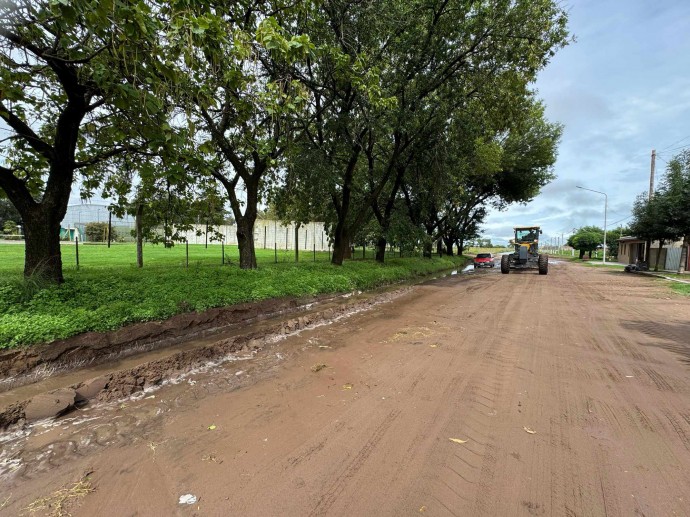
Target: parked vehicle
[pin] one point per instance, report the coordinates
(640, 265)
(484, 260)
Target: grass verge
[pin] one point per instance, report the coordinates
(111, 292)
(681, 288)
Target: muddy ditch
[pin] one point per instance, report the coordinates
(147, 374)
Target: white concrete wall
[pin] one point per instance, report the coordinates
(267, 234)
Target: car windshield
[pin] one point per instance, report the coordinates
(526, 235)
(484, 255)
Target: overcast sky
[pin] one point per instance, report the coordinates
(621, 89)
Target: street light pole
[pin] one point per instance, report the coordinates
(606, 205)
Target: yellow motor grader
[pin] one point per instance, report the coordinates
(526, 255)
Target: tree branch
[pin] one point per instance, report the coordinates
(25, 132)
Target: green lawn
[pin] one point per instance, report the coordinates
(109, 291)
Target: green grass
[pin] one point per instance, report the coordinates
(109, 291)
(681, 288)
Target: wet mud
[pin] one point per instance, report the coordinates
(148, 374)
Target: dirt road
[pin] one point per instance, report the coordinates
(567, 394)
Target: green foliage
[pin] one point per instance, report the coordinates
(586, 239)
(681, 288)
(8, 213)
(98, 232)
(109, 291)
(9, 227)
(612, 239)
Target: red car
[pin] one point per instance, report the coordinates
(484, 260)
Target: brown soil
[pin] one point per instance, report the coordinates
(90, 348)
(565, 394)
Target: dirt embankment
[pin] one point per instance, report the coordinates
(122, 383)
(95, 347)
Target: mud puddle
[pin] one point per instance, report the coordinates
(47, 444)
(130, 358)
(132, 403)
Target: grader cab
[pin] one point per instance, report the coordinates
(526, 255)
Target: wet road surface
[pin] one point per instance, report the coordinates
(478, 394)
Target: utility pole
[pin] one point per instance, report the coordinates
(651, 174)
(648, 244)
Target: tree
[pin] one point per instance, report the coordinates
(73, 96)
(394, 77)
(236, 99)
(8, 213)
(9, 227)
(651, 222)
(98, 232)
(675, 190)
(613, 238)
(586, 239)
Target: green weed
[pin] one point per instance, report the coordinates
(109, 291)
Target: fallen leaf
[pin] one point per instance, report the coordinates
(433, 346)
(422, 509)
(347, 386)
(318, 367)
(530, 431)
(457, 440)
(211, 427)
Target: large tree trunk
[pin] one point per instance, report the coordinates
(245, 239)
(582, 254)
(381, 249)
(658, 254)
(42, 255)
(461, 246)
(341, 244)
(449, 246)
(140, 234)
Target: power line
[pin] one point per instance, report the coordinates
(674, 143)
(677, 148)
(621, 220)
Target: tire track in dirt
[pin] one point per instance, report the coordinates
(482, 360)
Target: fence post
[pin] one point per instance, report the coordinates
(186, 246)
(76, 248)
(110, 225)
(222, 250)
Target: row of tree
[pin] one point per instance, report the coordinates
(391, 121)
(665, 217)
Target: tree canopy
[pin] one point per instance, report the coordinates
(666, 216)
(586, 240)
(391, 121)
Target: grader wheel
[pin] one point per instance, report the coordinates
(505, 264)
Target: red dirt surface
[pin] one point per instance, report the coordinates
(568, 394)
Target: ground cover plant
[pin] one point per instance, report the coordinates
(681, 288)
(109, 291)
